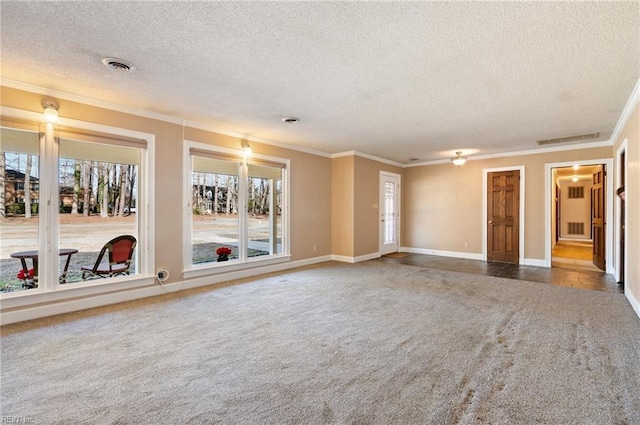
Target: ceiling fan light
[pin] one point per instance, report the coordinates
(459, 160)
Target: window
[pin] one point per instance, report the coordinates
(19, 232)
(234, 204)
(97, 186)
(85, 186)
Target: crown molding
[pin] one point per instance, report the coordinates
(214, 129)
(152, 115)
(626, 113)
(368, 156)
(592, 145)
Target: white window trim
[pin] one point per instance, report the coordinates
(199, 270)
(51, 290)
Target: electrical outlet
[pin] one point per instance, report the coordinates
(162, 274)
(314, 248)
(466, 244)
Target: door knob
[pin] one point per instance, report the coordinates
(489, 221)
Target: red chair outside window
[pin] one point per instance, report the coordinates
(120, 251)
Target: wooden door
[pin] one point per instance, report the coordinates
(558, 222)
(598, 219)
(503, 216)
(623, 175)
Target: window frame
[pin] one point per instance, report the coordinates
(191, 270)
(49, 289)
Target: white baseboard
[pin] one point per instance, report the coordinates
(534, 262)
(633, 301)
(71, 305)
(358, 259)
(454, 254)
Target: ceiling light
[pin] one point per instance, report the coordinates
(459, 159)
(575, 167)
(119, 65)
(50, 110)
(290, 120)
(574, 178)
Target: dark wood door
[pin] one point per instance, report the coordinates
(623, 176)
(503, 216)
(598, 218)
(558, 222)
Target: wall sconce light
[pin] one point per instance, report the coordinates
(50, 110)
(459, 159)
(574, 179)
(246, 147)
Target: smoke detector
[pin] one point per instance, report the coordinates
(119, 65)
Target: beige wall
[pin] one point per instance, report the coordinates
(342, 205)
(366, 204)
(355, 199)
(631, 133)
(310, 194)
(443, 203)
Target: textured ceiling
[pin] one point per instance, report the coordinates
(392, 79)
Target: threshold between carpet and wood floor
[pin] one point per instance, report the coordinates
(366, 343)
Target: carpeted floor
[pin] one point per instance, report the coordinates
(334, 343)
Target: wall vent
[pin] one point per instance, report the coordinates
(576, 192)
(576, 228)
(567, 139)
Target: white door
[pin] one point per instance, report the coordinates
(389, 212)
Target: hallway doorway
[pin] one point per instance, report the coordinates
(578, 202)
(573, 255)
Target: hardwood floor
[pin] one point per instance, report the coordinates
(573, 255)
(574, 278)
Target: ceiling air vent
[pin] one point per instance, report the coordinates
(119, 65)
(568, 139)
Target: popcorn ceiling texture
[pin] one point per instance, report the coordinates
(393, 79)
(366, 343)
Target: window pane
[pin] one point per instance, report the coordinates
(215, 218)
(97, 204)
(19, 238)
(264, 210)
(389, 212)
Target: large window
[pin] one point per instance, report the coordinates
(87, 199)
(97, 186)
(19, 215)
(236, 207)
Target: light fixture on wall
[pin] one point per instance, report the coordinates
(246, 147)
(50, 110)
(574, 178)
(459, 159)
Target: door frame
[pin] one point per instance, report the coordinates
(485, 175)
(398, 179)
(622, 149)
(548, 181)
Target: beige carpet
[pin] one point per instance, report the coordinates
(366, 343)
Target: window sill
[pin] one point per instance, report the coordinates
(210, 269)
(69, 291)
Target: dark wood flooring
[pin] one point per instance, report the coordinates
(584, 279)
